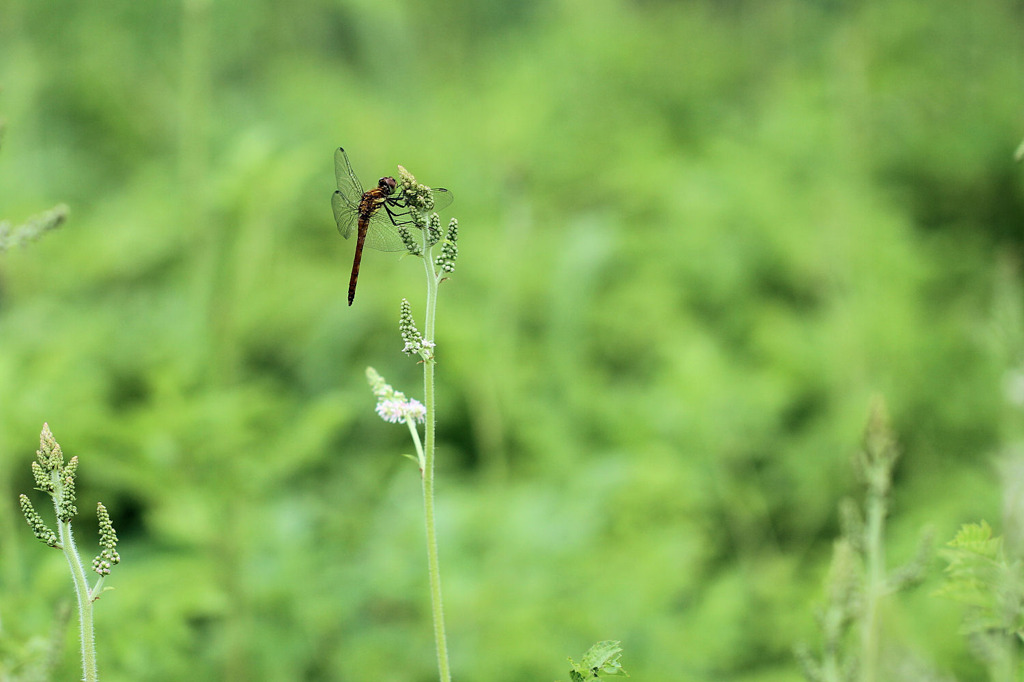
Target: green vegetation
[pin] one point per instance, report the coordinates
(986, 578)
(32, 228)
(859, 582)
(698, 238)
(57, 479)
(393, 405)
(602, 659)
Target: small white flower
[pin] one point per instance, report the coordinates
(390, 410)
(395, 411)
(416, 410)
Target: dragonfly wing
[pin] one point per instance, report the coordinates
(345, 201)
(345, 214)
(382, 235)
(348, 183)
(442, 198)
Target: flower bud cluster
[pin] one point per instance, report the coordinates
(43, 480)
(433, 229)
(411, 245)
(416, 195)
(56, 478)
(415, 344)
(108, 556)
(449, 249)
(49, 455)
(35, 521)
(66, 509)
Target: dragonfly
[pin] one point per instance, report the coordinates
(373, 215)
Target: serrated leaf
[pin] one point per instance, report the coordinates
(979, 575)
(600, 659)
(977, 538)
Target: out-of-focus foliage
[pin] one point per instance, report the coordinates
(31, 229)
(854, 641)
(695, 238)
(981, 575)
(34, 227)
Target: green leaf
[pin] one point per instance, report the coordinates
(977, 538)
(600, 659)
(979, 575)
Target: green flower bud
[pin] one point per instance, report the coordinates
(108, 556)
(66, 508)
(35, 521)
(449, 249)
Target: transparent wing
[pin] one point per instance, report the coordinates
(382, 234)
(348, 183)
(345, 200)
(442, 198)
(345, 215)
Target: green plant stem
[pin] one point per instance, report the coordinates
(67, 541)
(414, 432)
(434, 567)
(874, 588)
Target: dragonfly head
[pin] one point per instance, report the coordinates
(386, 184)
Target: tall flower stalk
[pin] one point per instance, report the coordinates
(57, 478)
(392, 405)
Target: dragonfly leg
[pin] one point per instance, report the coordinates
(395, 215)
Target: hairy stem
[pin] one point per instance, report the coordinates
(67, 541)
(433, 563)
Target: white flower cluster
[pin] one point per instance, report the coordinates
(392, 405)
(395, 411)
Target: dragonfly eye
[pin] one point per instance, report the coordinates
(387, 184)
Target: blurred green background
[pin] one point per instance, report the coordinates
(696, 238)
